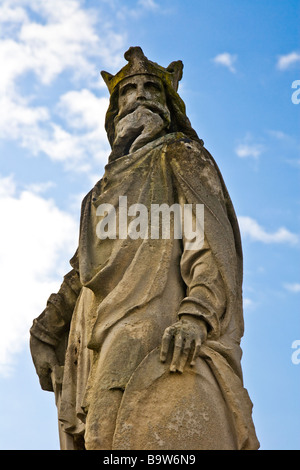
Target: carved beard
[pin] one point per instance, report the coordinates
(145, 123)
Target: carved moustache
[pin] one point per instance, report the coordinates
(153, 106)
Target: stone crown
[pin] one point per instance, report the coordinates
(138, 64)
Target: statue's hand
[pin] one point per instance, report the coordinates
(44, 359)
(188, 335)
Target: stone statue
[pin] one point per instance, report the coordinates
(141, 344)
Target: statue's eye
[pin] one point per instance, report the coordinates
(152, 86)
(127, 88)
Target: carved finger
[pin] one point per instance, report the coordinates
(177, 352)
(184, 355)
(165, 343)
(196, 351)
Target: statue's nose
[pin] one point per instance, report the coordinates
(141, 94)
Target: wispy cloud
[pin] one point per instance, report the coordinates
(249, 147)
(288, 145)
(292, 141)
(251, 229)
(247, 303)
(39, 188)
(124, 11)
(249, 150)
(279, 135)
(294, 287)
(294, 162)
(226, 60)
(148, 4)
(287, 61)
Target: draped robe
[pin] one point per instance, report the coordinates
(122, 293)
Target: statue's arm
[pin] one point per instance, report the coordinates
(205, 294)
(56, 317)
(200, 311)
(200, 314)
(49, 329)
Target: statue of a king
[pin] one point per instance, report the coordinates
(141, 344)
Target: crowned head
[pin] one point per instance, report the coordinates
(140, 66)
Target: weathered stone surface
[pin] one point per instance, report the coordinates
(173, 411)
(141, 345)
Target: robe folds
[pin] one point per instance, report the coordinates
(123, 292)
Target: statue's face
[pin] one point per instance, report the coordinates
(140, 89)
(143, 113)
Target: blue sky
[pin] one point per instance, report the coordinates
(240, 60)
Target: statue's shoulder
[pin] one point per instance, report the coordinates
(190, 160)
(182, 145)
(89, 199)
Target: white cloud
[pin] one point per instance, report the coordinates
(82, 142)
(279, 135)
(250, 228)
(18, 119)
(247, 303)
(294, 162)
(292, 141)
(79, 143)
(36, 241)
(83, 110)
(77, 152)
(124, 11)
(287, 61)
(39, 188)
(63, 36)
(249, 150)
(295, 287)
(227, 60)
(148, 4)
(12, 14)
(7, 186)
